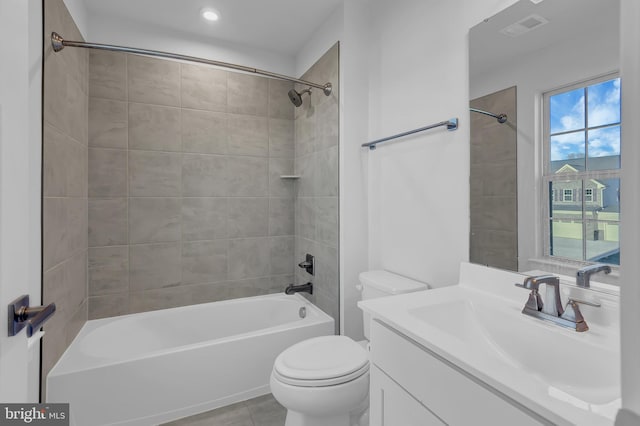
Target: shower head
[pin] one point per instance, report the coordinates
(296, 97)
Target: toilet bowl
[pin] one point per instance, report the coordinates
(325, 380)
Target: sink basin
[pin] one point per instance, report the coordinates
(565, 376)
(561, 358)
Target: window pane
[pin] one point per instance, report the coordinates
(566, 239)
(567, 111)
(604, 148)
(566, 200)
(567, 153)
(566, 219)
(604, 103)
(603, 242)
(603, 221)
(605, 204)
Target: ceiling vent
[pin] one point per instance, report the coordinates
(523, 26)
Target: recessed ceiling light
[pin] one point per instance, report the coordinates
(210, 15)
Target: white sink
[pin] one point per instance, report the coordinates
(582, 369)
(570, 377)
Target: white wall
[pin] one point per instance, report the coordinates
(419, 188)
(78, 11)
(534, 74)
(119, 31)
(630, 239)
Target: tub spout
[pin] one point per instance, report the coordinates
(308, 287)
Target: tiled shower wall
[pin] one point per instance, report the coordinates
(64, 185)
(186, 204)
(494, 177)
(316, 161)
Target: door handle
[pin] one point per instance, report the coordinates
(21, 316)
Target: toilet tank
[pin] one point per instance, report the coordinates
(376, 284)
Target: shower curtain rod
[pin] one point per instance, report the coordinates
(502, 118)
(59, 43)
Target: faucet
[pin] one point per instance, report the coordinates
(308, 287)
(583, 275)
(569, 317)
(535, 301)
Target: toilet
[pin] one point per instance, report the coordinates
(324, 381)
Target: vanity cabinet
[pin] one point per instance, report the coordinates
(412, 386)
(392, 405)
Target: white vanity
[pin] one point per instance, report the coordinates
(466, 355)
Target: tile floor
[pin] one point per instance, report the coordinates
(260, 411)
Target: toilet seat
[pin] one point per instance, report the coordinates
(321, 361)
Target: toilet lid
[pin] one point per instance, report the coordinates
(322, 359)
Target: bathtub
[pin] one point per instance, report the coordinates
(153, 367)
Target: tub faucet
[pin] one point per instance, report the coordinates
(569, 317)
(583, 275)
(308, 287)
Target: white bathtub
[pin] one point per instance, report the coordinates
(148, 368)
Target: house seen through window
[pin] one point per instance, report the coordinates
(582, 171)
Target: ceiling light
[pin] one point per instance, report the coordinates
(210, 15)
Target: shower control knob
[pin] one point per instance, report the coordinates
(307, 265)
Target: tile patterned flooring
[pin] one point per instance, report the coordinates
(260, 411)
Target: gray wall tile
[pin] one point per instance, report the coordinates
(248, 217)
(204, 175)
(154, 220)
(108, 222)
(107, 172)
(108, 270)
(249, 258)
(204, 218)
(248, 176)
(305, 167)
(109, 305)
(279, 187)
(154, 266)
(107, 75)
(204, 132)
(204, 261)
(153, 127)
(55, 234)
(77, 216)
(154, 174)
(305, 225)
(204, 88)
(279, 104)
(65, 185)
(247, 94)
(55, 153)
(153, 81)
(281, 253)
(198, 220)
(327, 125)
(317, 162)
(281, 138)
(327, 172)
(107, 123)
(161, 298)
(248, 135)
(327, 220)
(281, 216)
(305, 134)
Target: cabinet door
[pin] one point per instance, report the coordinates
(390, 405)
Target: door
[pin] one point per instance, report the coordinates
(20, 189)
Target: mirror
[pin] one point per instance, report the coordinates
(528, 49)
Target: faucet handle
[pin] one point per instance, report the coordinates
(572, 313)
(585, 302)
